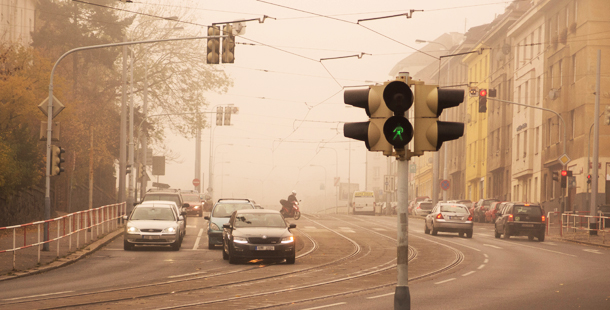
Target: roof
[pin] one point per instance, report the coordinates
(157, 202)
(259, 211)
(233, 200)
(155, 205)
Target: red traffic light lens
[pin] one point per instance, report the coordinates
(564, 173)
(483, 92)
(589, 177)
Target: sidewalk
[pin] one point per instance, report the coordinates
(582, 237)
(26, 262)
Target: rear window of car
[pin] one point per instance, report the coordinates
(191, 198)
(454, 209)
(164, 197)
(529, 210)
(153, 214)
(259, 220)
(226, 209)
(426, 205)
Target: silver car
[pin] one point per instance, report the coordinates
(153, 225)
(449, 217)
(422, 208)
(177, 211)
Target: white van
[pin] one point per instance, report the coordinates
(363, 203)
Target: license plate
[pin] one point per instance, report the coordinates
(528, 225)
(151, 237)
(265, 248)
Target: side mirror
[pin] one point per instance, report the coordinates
(206, 218)
(125, 217)
(226, 225)
(292, 226)
(181, 218)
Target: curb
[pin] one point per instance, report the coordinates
(70, 259)
(582, 242)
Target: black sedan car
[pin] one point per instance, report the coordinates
(258, 234)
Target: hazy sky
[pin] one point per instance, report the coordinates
(291, 101)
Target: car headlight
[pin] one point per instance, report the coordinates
(169, 230)
(288, 239)
(240, 240)
(196, 207)
(132, 230)
(213, 226)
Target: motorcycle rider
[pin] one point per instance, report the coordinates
(287, 204)
(292, 197)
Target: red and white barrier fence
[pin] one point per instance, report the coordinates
(580, 221)
(105, 218)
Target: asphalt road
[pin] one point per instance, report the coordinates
(343, 262)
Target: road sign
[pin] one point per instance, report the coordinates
(445, 184)
(337, 181)
(57, 106)
(389, 184)
(196, 182)
(564, 159)
(473, 91)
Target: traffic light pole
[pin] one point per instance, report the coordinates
(402, 296)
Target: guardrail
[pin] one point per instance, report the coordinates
(583, 223)
(103, 218)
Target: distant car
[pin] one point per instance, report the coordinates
(422, 208)
(152, 225)
(521, 219)
(363, 202)
(449, 217)
(166, 194)
(195, 206)
(481, 207)
(181, 214)
(258, 234)
(221, 213)
(490, 215)
(414, 201)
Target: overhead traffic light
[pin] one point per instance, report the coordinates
(386, 106)
(219, 116)
(213, 49)
(56, 160)
(588, 179)
(430, 101)
(482, 100)
(228, 45)
(564, 177)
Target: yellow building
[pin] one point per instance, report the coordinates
(476, 127)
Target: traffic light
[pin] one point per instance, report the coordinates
(219, 116)
(430, 101)
(386, 106)
(564, 177)
(482, 100)
(607, 115)
(588, 179)
(228, 45)
(127, 169)
(140, 171)
(56, 160)
(213, 50)
(228, 112)
(555, 176)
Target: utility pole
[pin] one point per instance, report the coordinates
(402, 296)
(123, 138)
(594, 177)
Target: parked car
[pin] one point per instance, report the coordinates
(521, 219)
(490, 215)
(195, 205)
(180, 214)
(449, 217)
(258, 234)
(221, 214)
(422, 208)
(152, 224)
(481, 207)
(414, 201)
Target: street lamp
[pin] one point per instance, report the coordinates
(324, 183)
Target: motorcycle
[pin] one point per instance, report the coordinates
(290, 209)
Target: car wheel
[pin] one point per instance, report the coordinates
(434, 231)
(297, 215)
(176, 245)
(127, 246)
(506, 234)
(541, 237)
(426, 230)
(469, 234)
(290, 260)
(461, 234)
(225, 256)
(496, 233)
(232, 258)
(530, 237)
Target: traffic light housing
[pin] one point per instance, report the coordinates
(482, 100)
(564, 177)
(588, 179)
(213, 48)
(228, 112)
(219, 116)
(430, 101)
(140, 171)
(56, 160)
(228, 44)
(607, 115)
(127, 169)
(386, 106)
(555, 176)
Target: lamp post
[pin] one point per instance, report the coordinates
(324, 183)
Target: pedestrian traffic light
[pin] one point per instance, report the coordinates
(56, 160)
(219, 116)
(213, 49)
(430, 101)
(386, 106)
(555, 176)
(228, 44)
(482, 100)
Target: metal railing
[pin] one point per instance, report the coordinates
(581, 223)
(99, 221)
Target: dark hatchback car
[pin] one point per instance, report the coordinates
(521, 219)
(195, 206)
(258, 234)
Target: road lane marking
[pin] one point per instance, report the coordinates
(550, 243)
(468, 273)
(197, 240)
(481, 267)
(542, 249)
(486, 261)
(347, 229)
(592, 251)
(483, 235)
(492, 246)
(485, 255)
(191, 226)
(448, 280)
(310, 227)
(379, 229)
(378, 296)
(187, 274)
(41, 295)
(326, 306)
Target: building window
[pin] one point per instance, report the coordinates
(538, 90)
(537, 139)
(525, 144)
(548, 129)
(518, 98)
(535, 194)
(551, 77)
(539, 39)
(574, 68)
(560, 67)
(573, 118)
(518, 143)
(527, 93)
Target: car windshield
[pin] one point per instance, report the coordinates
(453, 209)
(226, 209)
(529, 210)
(163, 197)
(191, 198)
(259, 220)
(153, 214)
